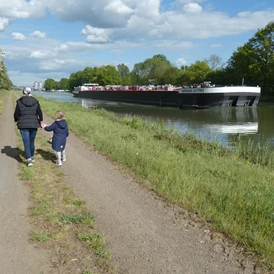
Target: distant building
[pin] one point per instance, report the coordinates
(35, 86)
(38, 86)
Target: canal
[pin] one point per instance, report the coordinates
(225, 125)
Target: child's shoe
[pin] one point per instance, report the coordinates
(30, 163)
(58, 163)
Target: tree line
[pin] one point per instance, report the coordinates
(5, 82)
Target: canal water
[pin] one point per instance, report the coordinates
(225, 125)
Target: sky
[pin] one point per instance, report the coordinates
(45, 39)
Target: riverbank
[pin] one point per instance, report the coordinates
(144, 234)
(222, 187)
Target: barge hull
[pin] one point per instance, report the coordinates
(176, 99)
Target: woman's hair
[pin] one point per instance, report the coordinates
(27, 91)
(59, 115)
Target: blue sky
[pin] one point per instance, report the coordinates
(53, 38)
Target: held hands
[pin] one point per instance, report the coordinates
(43, 125)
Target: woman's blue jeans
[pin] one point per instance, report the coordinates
(28, 137)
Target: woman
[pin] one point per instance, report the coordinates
(28, 116)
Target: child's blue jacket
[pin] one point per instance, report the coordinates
(60, 134)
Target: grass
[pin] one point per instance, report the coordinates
(82, 218)
(40, 236)
(3, 98)
(231, 190)
(58, 216)
(96, 242)
(257, 154)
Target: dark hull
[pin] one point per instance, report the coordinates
(209, 100)
(175, 99)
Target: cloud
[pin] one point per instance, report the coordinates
(38, 34)
(149, 9)
(21, 9)
(4, 22)
(39, 54)
(74, 47)
(181, 62)
(18, 36)
(184, 2)
(55, 64)
(138, 18)
(118, 7)
(193, 8)
(99, 14)
(95, 35)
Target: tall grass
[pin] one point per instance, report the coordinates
(255, 153)
(234, 191)
(3, 98)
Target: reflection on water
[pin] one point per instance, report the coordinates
(245, 128)
(208, 124)
(222, 124)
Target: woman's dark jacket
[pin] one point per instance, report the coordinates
(60, 134)
(28, 113)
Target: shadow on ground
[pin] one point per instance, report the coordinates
(46, 155)
(13, 152)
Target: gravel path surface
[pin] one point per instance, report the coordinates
(17, 254)
(145, 236)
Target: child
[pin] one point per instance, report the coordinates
(60, 134)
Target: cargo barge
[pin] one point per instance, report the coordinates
(198, 96)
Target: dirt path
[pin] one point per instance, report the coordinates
(145, 236)
(17, 255)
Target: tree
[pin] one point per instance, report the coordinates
(75, 79)
(197, 73)
(2, 54)
(125, 74)
(254, 61)
(124, 70)
(88, 75)
(50, 84)
(5, 82)
(215, 62)
(140, 74)
(63, 84)
(153, 71)
(108, 75)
